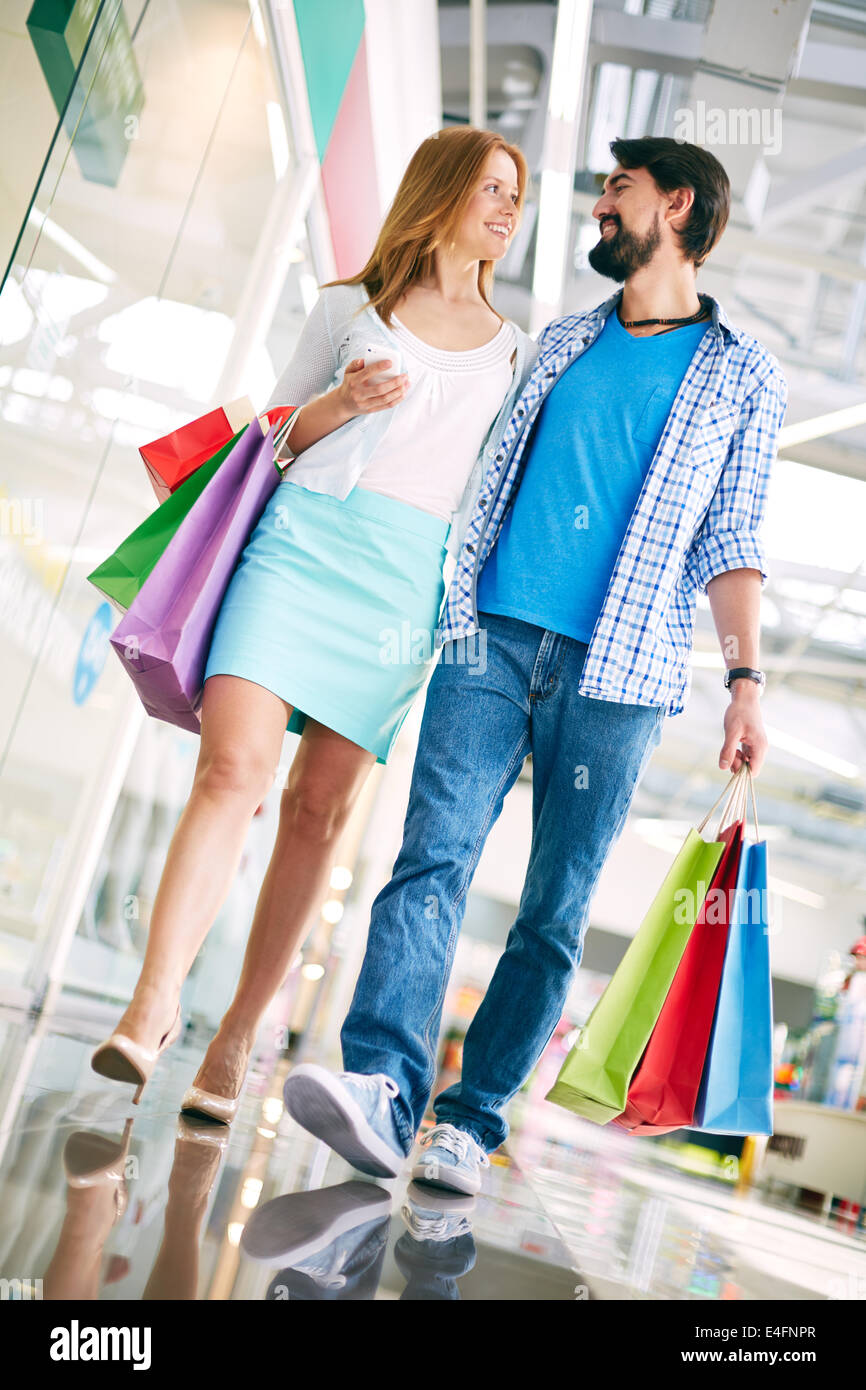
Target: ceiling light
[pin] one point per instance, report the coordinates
(811, 753)
(272, 1109)
(794, 892)
(820, 425)
(569, 51)
(251, 1192)
(278, 137)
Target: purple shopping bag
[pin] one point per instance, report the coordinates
(164, 638)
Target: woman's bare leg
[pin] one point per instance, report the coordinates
(324, 781)
(242, 730)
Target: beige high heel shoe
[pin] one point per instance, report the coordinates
(122, 1059)
(95, 1160)
(198, 1102)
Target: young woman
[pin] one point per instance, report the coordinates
(349, 550)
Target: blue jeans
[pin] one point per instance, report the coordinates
(587, 758)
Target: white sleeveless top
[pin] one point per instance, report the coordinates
(432, 443)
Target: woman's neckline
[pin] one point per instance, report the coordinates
(451, 352)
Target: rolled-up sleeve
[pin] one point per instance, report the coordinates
(730, 537)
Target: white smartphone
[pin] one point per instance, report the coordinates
(380, 352)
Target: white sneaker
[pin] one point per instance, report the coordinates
(451, 1158)
(351, 1113)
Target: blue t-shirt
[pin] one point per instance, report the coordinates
(593, 443)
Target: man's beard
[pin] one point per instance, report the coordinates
(625, 252)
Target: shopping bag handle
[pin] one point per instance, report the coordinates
(735, 808)
(736, 789)
(280, 434)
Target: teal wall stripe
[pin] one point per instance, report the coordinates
(330, 32)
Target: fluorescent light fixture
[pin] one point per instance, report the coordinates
(794, 892)
(138, 411)
(33, 383)
(569, 49)
(811, 753)
(251, 1191)
(173, 344)
(278, 137)
(820, 425)
(50, 229)
(272, 1109)
(556, 194)
(234, 1231)
(554, 214)
(258, 23)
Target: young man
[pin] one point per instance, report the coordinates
(632, 475)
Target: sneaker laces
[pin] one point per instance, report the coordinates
(457, 1142)
(432, 1225)
(372, 1083)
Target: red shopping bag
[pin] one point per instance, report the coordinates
(173, 458)
(664, 1089)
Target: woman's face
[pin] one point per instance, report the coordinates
(491, 217)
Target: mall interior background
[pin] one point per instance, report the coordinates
(176, 179)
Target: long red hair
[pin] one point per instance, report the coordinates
(434, 192)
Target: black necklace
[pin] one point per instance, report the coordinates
(645, 323)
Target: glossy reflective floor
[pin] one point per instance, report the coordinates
(98, 1206)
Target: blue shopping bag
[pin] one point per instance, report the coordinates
(736, 1092)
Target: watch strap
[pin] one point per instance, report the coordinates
(743, 673)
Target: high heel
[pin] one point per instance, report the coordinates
(122, 1059)
(198, 1102)
(95, 1160)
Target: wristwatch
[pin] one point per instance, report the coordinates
(744, 673)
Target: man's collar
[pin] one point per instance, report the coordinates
(719, 320)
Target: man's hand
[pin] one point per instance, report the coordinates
(744, 725)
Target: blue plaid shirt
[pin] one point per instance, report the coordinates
(699, 512)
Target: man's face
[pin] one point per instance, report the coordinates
(629, 216)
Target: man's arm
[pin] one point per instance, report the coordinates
(735, 600)
(728, 562)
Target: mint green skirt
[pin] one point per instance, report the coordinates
(333, 606)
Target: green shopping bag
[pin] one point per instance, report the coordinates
(595, 1076)
(121, 576)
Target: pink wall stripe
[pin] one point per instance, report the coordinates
(349, 174)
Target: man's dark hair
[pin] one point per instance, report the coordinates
(675, 164)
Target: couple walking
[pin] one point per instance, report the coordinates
(588, 487)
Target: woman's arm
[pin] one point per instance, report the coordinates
(359, 393)
(304, 383)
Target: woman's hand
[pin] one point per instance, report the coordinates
(360, 393)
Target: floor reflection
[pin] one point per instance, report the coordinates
(96, 1205)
